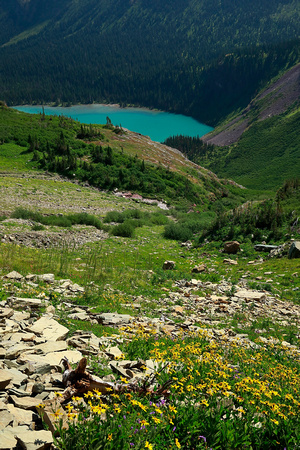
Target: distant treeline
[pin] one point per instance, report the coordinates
(192, 147)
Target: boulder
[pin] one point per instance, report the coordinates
(113, 318)
(169, 265)
(231, 247)
(294, 251)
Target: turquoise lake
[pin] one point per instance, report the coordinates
(158, 125)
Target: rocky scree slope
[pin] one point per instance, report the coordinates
(34, 342)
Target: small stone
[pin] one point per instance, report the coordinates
(200, 268)
(38, 388)
(231, 262)
(169, 265)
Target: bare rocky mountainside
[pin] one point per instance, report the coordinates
(276, 99)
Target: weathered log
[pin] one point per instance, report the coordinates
(79, 381)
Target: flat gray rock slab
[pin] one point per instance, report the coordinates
(16, 350)
(35, 440)
(51, 346)
(47, 277)
(51, 359)
(250, 295)
(14, 276)
(5, 378)
(6, 418)
(6, 313)
(20, 302)
(50, 329)
(25, 402)
(114, 319)
(79, 316)
(7, 440)
(22, 337)
(18, 377)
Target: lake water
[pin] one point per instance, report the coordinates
(157, 124)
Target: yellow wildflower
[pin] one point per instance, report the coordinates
(177, 443)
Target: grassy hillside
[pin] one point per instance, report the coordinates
(106, 157)
(267, 153)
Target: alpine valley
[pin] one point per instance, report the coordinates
(150, 292)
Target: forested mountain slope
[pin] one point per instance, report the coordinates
(172, 55)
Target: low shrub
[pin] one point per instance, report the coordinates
(124, 229)
(178, 232)
(58, 221)
(85, 219)
(37, 227)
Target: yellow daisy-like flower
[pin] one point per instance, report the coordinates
(148, 445)
(88, 394)
(109, 437)
(144, 422)
(172, 409)
(156, 419)
(58, 394)
(275, 421)
(57, 413)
